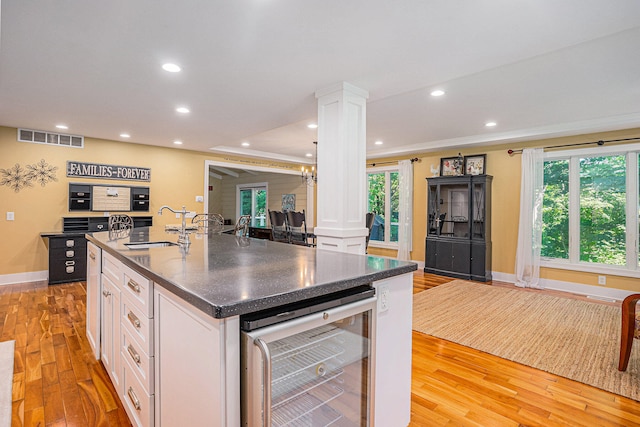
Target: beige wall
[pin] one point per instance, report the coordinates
(177, 177)
(505, 170)
(277, 185)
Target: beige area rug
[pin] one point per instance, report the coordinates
(575, 339)
(6, 381)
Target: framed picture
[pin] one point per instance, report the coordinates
(288, 202)
(475, 165)
(451, 166)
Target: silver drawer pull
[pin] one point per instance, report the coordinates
(106, 293)
(70, 243)
(100, 227)
(92, 255)
(70, 254)
(133, 398)
(134, 355)
(133, 285)
(134, 320)
(67, 263)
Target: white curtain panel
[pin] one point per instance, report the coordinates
(530, 225)
(405, 210)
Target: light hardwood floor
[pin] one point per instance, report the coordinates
(57, 382)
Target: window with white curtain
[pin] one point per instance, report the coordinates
(383, 200)
(590, 209)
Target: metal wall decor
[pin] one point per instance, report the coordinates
(18, 177)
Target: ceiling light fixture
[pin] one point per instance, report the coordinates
(378, 143)
(437, 92)
(245, 144)
(309, 155)
(312, 126)
(183, 110)
(177, 142)
(172, 68)
(490, 124)
(62, 126)
(125, 135)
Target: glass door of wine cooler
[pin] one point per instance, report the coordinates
(312, 371)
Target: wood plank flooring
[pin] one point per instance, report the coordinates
(57, 382)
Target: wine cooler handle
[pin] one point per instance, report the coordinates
(266, 380)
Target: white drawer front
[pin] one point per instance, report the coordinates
(140, 289)
(111, 268)
(138, 403)
(140, 327)
(139, 362)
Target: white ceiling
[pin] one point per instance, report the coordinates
(539, 68)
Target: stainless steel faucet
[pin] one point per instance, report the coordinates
(183, 238)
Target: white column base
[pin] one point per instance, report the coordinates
(350, 240)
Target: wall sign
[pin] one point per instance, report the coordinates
(103, 171)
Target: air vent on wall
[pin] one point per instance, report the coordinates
(41, 137)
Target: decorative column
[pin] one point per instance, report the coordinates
(342, 181)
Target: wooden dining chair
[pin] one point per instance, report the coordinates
(297, 223)
(279, 232)
(630, 329)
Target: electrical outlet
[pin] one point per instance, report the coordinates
(199, 199)
(10, 216)
(383, 298)
(602, 280)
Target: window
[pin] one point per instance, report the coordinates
(383, 201)
(252, 200)
(590, 209)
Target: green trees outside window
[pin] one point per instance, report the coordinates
(601, 213)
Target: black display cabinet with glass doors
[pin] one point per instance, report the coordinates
(458, 242)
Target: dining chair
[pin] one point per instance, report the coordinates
(213, 222)
(369, 224)
(242, 226)
(297, 225)
(120, 222)
(279, 231)
(630, 329)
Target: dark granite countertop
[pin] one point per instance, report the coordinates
(224, 275)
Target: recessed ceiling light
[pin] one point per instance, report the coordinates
(183, 110)
(125, 135)
(172, 68)
(309, 155)
(177, 142)
(378, 142)
(312, 126)
(437, 92)
(490, 124)
(62, 126)
(245, 144)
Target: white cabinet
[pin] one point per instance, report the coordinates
(393, 351)
(111, 330)
(197, 365)
(94, 297)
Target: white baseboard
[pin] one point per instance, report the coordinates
(32, 276)
(596, 292)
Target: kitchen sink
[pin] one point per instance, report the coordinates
(147, 245)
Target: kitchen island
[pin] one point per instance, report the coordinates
(165, 320)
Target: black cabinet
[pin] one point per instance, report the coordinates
(67, 258)
(458, 242)
(82, 198)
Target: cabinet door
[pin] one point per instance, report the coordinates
(94, 297)
(443, 255)
(111, 330)
(195, 386)
(460, 257)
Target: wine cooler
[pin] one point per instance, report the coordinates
(310, 364)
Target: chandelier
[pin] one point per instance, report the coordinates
(311, 175)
